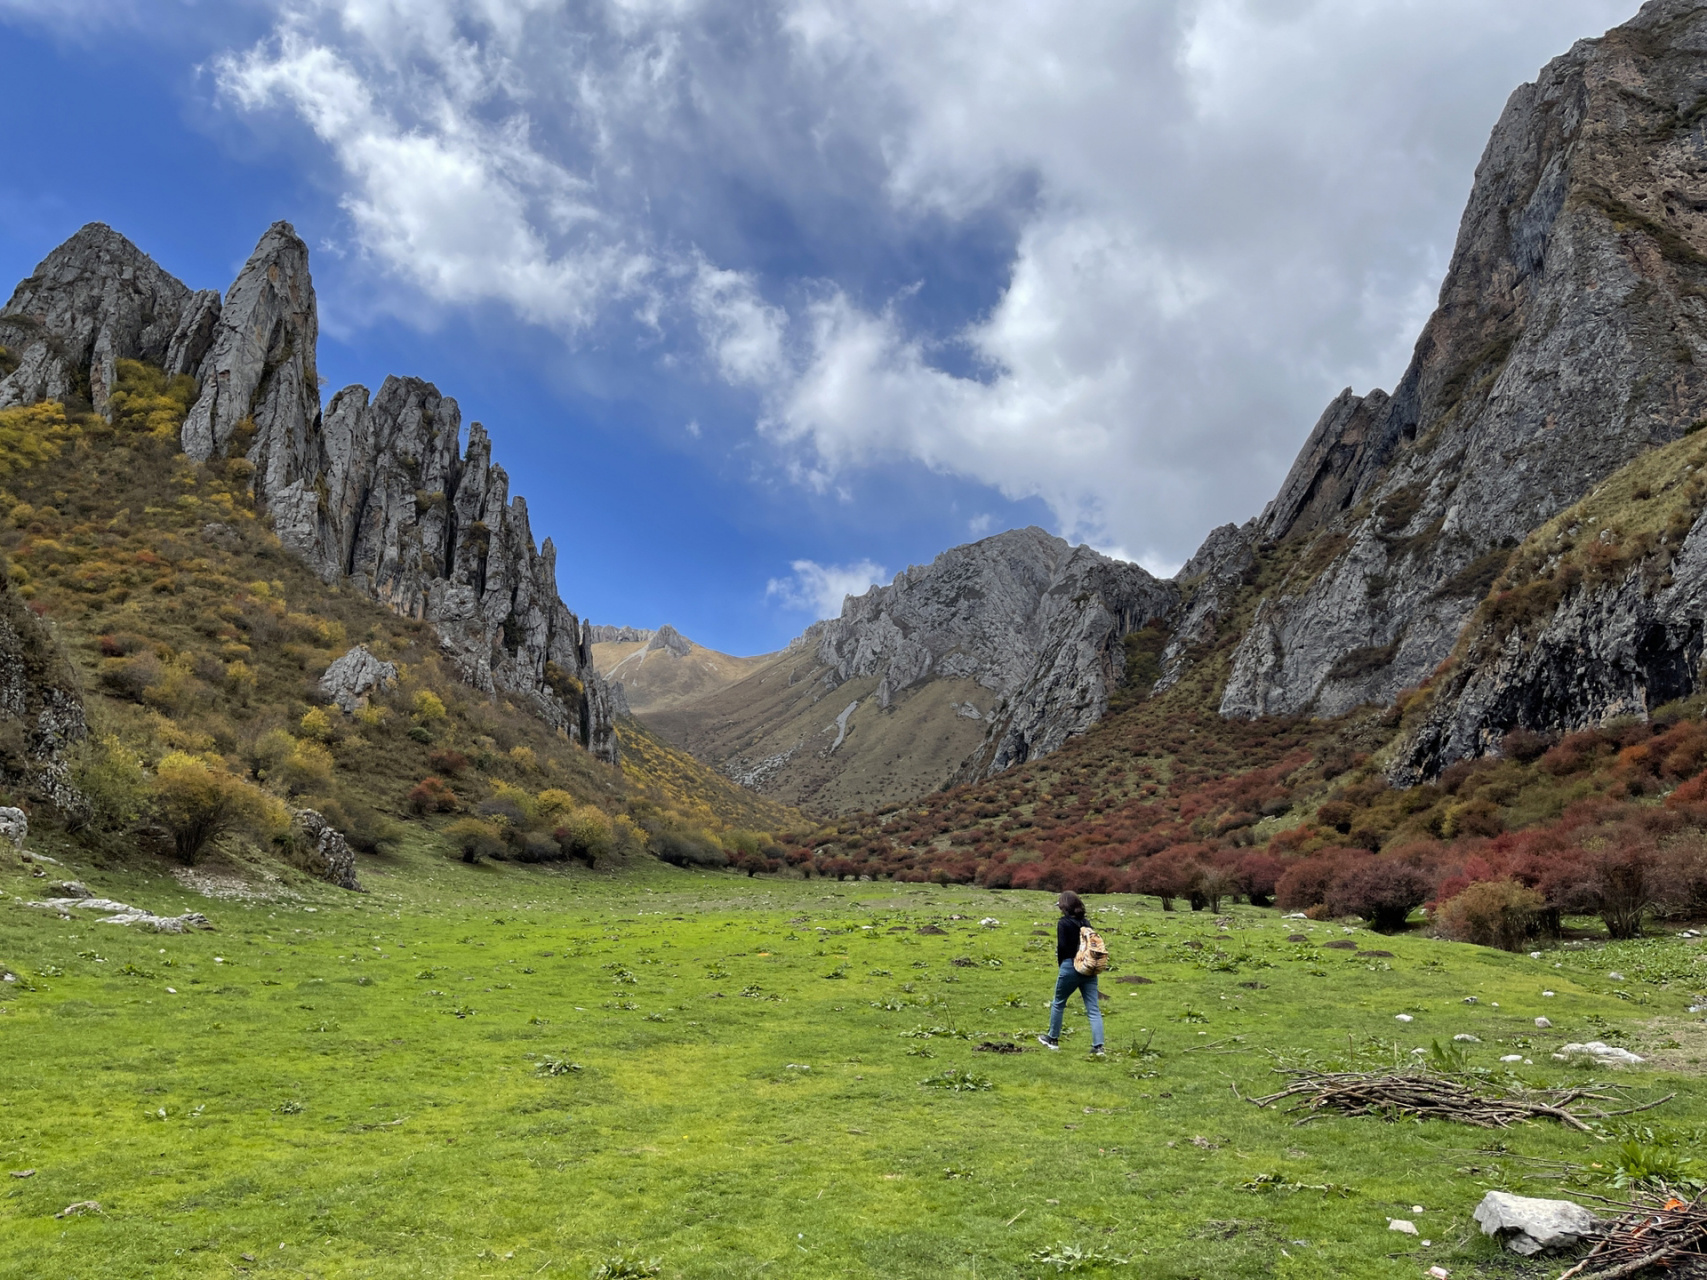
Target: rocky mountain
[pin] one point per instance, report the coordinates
(659, 670)
(375, 491)
(993, 653)
(1567, 353)
(1569, 341)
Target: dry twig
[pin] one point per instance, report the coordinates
(1655, 1234)
(1439, 1097)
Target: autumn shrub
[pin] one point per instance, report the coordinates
(198, 802)
(687, 849)
(585, 834)
(1256, 875)
(475, 839)
(1491, 913)
(308, 768)
(1305, 883)
(112, 780)
(432, 795)
(1384, 891)
(450, 763)
(131, 677)
(364, 827)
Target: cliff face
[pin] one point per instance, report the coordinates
(1570, 338)
(93, 301)
(1034, 621)
(994, 653)
(41, 709)
(374, 491)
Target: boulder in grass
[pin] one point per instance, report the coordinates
(1525, 1225)
(1600, 1052)
(14, 827)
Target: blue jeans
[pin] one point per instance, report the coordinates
(1068, 981)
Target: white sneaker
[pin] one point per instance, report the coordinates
(1047, 1043)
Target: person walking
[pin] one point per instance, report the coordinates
(1068, 979)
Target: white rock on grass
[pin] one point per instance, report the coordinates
(1511, 1057)
(1600, 1051)
(1616, 976)
(1403, 1017)
(14, 827)
(1525, 1225)
(1543, 1023)
(1404, 1225)
(1464, 1037)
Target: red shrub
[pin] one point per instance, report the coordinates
(1384, 891)
(432, 795)
(1256, 875)
(449, 763)
(1305, 883)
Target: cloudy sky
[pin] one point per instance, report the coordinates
(763, 300)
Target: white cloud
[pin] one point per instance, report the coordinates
(1219, 212)
(820, 589)
(459, 201)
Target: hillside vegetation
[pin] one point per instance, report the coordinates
(199, 643)
(1167, 797)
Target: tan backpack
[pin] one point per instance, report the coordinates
(1093, 952)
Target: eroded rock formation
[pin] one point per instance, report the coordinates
(376, 490)
(1570, 337)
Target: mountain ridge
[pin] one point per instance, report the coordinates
(373, 490)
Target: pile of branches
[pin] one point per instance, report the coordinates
(1431, 1095)
(1657, 1234)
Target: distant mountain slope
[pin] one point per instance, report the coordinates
(661, 670)
(993, 653)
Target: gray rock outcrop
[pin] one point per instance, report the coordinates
(324, 849)
(605, 634)
(354, 676)
(14, 827)
(1569, 339)
(259, 372)
(1529, 1226)
(667, 637)
(95, 300)
(376, 492)
(41, 707)
(1024, 614)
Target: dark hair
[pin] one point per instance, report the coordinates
(1071, 904)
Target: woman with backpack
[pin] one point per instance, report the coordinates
(1068, 976)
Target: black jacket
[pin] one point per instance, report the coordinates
(1067, 937)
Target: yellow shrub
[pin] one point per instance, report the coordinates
(240, 680)
(524, 758)
(372, 717)
(198, 801)
(307, 768)
(429, 707)
(553, 802)
(316, 725)
(32, 435)
(147, 401)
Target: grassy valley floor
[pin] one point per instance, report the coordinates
(505, 1071)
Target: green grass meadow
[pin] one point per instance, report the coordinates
(503, 1071)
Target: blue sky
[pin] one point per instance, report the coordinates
(762, 301)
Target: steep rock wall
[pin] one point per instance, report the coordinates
(1570, 337)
